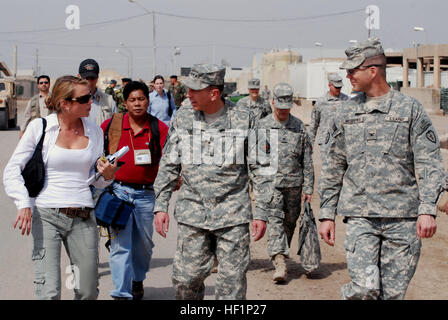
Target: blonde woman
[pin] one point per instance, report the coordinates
(62, 212)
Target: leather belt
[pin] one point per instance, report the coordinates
(136, 186)
(75, 212)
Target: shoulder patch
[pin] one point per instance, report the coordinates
(423, 126)
(430, 135)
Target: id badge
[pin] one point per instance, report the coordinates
(142, 157)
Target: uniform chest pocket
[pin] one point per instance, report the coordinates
(355, 141)
(397, 137)
(290, 145)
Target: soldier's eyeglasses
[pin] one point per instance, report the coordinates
(43, 82)
(82, 99)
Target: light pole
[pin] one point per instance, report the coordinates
(131, 58)
(419, 64)
(421, 29)
(175, 54)
(154, 63)
(120, 52)
(320, 45)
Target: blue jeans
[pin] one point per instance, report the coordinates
(131, 249)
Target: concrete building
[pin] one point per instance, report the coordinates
(424, 70)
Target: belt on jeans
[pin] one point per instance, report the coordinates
(136, 186)
(83, 212)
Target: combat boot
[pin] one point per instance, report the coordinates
(280, 268)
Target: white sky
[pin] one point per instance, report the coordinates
(61, 51)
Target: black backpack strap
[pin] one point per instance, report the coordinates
(170, 110)
(106, 137)
(154, 143)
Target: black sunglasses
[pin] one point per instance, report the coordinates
(352, 71)
(44, 82)
(82, 99)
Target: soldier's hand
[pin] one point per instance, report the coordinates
(259, 228)
(306, 197)
(162, 223)
(327, 231)
(426, 226)
(179, 184)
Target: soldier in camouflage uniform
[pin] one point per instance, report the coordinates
(295, 175)
(324, 110)
(178, 91)
(213, 208)
(259, 106)
(110, 90)
(266, 94)
(118, 96)
(380, 141)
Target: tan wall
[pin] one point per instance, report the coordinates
(429, 98)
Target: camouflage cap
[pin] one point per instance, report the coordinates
(335, 80)
(203, 75)
(359, 52)
(253, 83)
(282, 95)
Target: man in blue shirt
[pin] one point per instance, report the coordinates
(162, 104)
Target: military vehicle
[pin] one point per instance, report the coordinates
(8, 99)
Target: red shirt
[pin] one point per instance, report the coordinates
(129, 172)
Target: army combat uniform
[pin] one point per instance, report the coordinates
(179, 93)
(213, 210)
(323, 111)
(375, 151)
(119, 99)
(261, 108)
(290, 142)
(295, 174)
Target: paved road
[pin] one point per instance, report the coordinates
(16, 269)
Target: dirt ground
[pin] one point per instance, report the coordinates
(429, 283)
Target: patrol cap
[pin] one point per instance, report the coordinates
(126, 80)
(335, 80)
(113, 81)
(359, 52)
(282, 95)
(253, 83)
(89, 68)
(203, 75)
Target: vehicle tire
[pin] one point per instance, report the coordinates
(12, 123)
(3, 119)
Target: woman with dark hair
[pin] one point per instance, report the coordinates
(131, 249)
(162, 104)
(63, 211)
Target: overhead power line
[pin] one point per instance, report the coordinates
(240, 20)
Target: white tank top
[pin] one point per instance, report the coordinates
(66, 178)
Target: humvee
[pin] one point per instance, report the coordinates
(8, 103)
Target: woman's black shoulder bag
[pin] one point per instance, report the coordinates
(34, 171)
